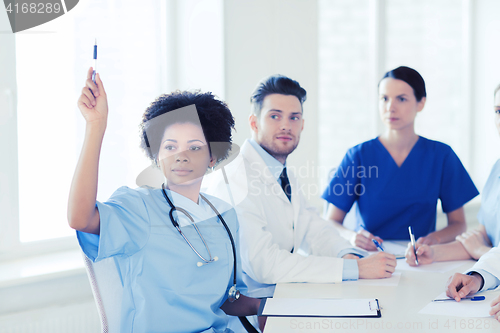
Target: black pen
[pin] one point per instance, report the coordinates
(412, 239)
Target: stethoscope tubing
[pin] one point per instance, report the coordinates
(176, 225)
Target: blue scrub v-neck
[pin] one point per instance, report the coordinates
(390, 156)
(390, 198)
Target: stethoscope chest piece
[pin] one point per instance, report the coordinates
(233, 294)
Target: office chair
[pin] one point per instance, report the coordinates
(108, 291)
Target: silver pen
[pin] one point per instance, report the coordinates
(412, 239)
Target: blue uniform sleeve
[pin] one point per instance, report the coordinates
(340, 192)
(124, 227)
(457, 187)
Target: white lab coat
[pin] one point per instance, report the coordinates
(490, 262)
(271, 226)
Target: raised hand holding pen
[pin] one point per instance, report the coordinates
(82, 211)
(93, 101)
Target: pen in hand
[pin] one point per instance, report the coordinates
(377, 244)
(412, 239)
(94, 62)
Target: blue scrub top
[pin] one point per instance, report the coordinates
(164, 289)
(489, 213)
(391, 198)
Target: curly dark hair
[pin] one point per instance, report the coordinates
(215, 120)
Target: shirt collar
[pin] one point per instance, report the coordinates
(275, 166)
(200, 211)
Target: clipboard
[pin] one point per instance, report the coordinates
(329, 308)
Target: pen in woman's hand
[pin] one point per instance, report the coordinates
(377, 244)
(94, 62)
(412, 239)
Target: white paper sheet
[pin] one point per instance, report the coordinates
(464, 308)
(319, 307)
(397, 249)
(307, 290)
(439, 267)
(393, 281)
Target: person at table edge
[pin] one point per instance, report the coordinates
(484, 275)
(475, 242)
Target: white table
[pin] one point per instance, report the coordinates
(400, 306)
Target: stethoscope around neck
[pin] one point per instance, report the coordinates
(233, 293)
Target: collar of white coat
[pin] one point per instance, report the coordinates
(255, 162)
(258, 168)
(274, 166)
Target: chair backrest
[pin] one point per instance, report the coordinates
(108, 290)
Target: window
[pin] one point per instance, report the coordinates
(444, 40)
(140, 47)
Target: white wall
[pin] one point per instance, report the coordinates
(8, 146)
(486, 76)
(266, 37)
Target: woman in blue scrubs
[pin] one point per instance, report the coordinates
(397, 178)
(473, 243)
(174, 279)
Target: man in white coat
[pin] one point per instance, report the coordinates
(282, 238)
(484, 275)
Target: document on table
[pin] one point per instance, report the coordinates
(464, 308)
(392, 281)
(439, 267)
(300, 307)
(397, 249)
(329, 290)
(393, 248)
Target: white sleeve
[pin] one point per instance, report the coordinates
(265, 262)
(321, 236)
(489, 262)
